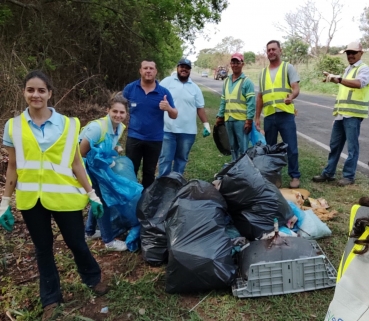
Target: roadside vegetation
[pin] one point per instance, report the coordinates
(138, 290)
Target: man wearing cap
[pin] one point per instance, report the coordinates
(148, 103)
(180, 133)
(237, 107)
(350, 109)
(278, 86)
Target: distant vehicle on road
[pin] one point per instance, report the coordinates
(204, 74)
(220, 73)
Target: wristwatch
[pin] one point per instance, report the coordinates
(339, 80)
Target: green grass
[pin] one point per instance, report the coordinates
(138, 290)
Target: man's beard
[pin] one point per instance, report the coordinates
(183, 79)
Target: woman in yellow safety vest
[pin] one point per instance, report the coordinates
(46, 169)
(108, 127)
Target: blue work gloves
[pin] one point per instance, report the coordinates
(96, 205)
(6, 216)
(206, 132)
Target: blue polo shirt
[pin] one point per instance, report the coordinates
(46, 134)
(146, 121)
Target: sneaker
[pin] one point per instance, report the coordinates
(95, 236)
(345, 181)
(295, 183)
(100, 288)
(323, 178)
(116, 245)
(51, 311)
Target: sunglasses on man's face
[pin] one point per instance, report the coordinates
(351, 52)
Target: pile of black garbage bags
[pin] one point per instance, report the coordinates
(187, 224)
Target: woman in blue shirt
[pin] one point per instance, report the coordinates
(46, 168)
(94, 133)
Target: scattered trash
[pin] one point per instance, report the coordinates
(104, 310)
(311, 227)
(296, 265)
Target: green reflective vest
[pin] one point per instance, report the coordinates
(235, 102)
(275, 92)
(352, 101)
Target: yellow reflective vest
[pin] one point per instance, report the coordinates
(47, 175)
(352, 101)
(357, 211)
(275, 92)
(235, 102)
(104, 123)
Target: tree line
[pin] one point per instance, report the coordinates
(89, 45)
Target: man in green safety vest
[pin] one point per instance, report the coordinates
(278, 86)
(350, 109)
(237, 107)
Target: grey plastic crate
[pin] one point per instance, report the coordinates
(289, 276)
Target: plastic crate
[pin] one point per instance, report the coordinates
(289, 276)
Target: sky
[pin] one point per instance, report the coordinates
(253, 22)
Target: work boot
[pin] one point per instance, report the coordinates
(323, 178)
(295, 182)
(345, 181)
(50, 312)
(100, 288)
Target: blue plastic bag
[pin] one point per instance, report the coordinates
(119, 189)
(255, 136)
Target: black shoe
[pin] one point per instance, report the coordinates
(323, 178)
(345, 181)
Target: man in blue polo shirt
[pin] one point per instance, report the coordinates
(180, 133)
(148, 102)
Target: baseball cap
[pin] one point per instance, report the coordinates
(354, 46)
(184, 61)
(237, 56)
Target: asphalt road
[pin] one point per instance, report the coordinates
(314, 120)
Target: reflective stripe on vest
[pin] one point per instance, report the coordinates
(357, 211)
(275, 92)
(47, 175)
(235, 102)
(352, 102)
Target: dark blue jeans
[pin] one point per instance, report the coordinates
(38, 221)
(174, 152)
(284, 123)
(148, 152)
(238, 140)
(347, 129)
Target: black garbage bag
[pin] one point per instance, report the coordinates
(152, 210)
(253, 202)
(269, 160)
(200, 250)
(220, 137)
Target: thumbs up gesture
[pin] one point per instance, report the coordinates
(164, 104)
